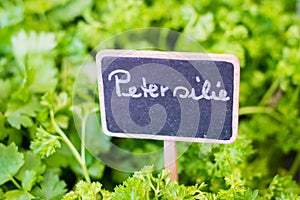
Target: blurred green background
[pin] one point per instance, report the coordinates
(44, 43)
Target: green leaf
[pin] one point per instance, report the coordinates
(10, 162)
(144, 185)
(96, 169)
(45, 143)
(56, 102)
(231, 48)
(86, 190)
(84, 109)
(17, 195)
(1, 194)
(62, 158)
(51, 188)
(68, 11)
(25, 44)
(95, 140)
(32, 163)
(29, 180)
(44, 42)
(19, 113)
(41, 7)
(10, 13)
(41, 77)
(62, 120)
(132, 188)
(4, 130)
(281, 187)
(5, 88)
(34, 53)
(200, 29)
(70, 196)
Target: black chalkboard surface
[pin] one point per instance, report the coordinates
(169, 95)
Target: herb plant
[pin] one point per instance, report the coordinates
(44, 43)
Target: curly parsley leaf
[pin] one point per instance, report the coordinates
(84, 190)
(10, 162)
(282, 188)
(45, 143)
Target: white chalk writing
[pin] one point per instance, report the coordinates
(154, 90)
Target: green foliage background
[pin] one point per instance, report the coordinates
(43, 44)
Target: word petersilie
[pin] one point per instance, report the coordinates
(179, 96)
(123, 77)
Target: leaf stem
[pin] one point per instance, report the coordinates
(71, 147)
(20, 188)
(260, 110)
(16, 183)
(254, 110)
(270, 92)
(295, 165)
(83, 126)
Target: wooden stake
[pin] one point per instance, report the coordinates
(170, 158)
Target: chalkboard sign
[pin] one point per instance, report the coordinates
(177, 96)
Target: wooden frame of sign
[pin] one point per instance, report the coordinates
(170, 96)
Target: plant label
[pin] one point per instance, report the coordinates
(176, 96)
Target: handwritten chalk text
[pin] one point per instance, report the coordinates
(154, 90)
